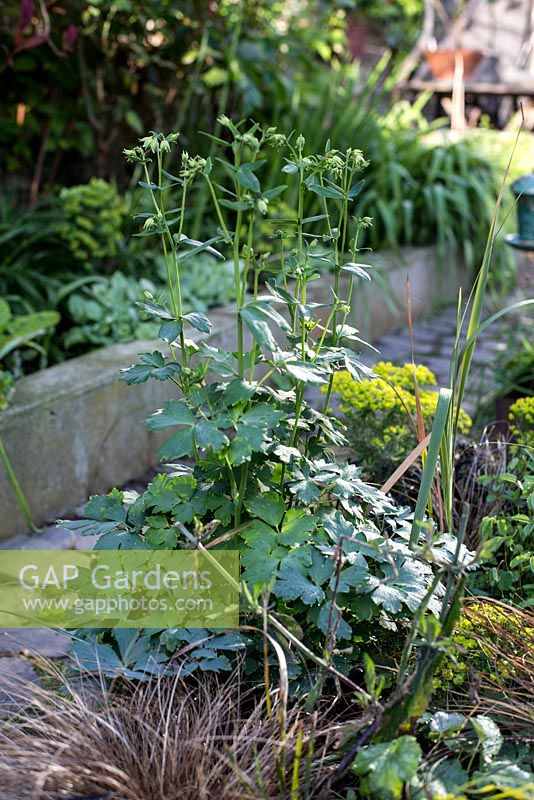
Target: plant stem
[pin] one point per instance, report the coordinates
(239, 298)
(254, 343)
(19, 494)
(241, 493)
(218, 210)
(343, 225)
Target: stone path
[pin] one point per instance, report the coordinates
(15, 642)
(433, 346)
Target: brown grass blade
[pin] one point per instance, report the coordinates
(410, 459)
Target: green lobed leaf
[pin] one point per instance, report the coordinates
(384, 769)
(268, 507)
(292, 585)
(165, 491)
(151, 366)
(201, 433)
(327, 615)
(261, 557)
(174, 412)
(223, 360)
(121, 540)
(489, 737)
(353, 577)
(305, 372)
(238, 391)
(107, 507)
(159, 534)
(252, 431)
(297, 527)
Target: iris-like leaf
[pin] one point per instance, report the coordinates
(290, 168)
(325, 191)
(355, 189)
(237, 205)
(170, 331)
(155, 309)
(197, 246)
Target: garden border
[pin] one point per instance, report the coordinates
(73, 430)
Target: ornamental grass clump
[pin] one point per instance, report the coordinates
(381, 414)
(167, 739)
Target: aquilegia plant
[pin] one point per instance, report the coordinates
(251, 466)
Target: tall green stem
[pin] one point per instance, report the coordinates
(172, 267)
(239, 297)
(339, 253)
(19, 494)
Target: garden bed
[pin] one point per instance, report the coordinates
(69, 430)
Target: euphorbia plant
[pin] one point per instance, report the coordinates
(259, 476)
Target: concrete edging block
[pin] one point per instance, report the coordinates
(74, 429)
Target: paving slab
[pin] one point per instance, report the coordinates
(17, 679)
(34, 641)
(53, 537)
(48, 643)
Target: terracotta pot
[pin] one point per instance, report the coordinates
(442, 62)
